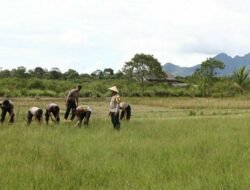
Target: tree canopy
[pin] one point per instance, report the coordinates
(142, 66)
(209, 68)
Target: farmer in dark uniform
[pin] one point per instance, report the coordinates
(52, 111)
(72, 102)
(125, 111)
(83, 112)
(36, 112)
(114, 107)
(7, 106)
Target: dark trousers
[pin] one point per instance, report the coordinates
(115, 120)
(71, 105)
(11, 113)
(85, 116)
(126, 113)
(55, 113)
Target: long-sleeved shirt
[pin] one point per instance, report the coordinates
(114, 103)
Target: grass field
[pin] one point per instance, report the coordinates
(170, 143)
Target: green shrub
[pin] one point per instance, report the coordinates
(37, 84)
(162, 93)
(36, 92)
(135, 94)
(86, 94)
(5, 92)
(192, 113)
(148, 94)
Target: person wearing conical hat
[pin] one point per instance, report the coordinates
(7, 106)
(114, 107)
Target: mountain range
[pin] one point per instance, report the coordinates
(231, 64)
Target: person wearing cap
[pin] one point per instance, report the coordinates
(36, 112)
(72, 102)
(125, 111)
(7, 106)
(52, 111)
(83, 112)
(114, 107)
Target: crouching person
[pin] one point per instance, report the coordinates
(52, 111)
(125, 111)
(7, 106)
(83, 113)
(37, 113)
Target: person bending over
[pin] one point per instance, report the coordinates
(125, 111)
(52, 111)
(83, 113)
(35, 112)
(7, 106)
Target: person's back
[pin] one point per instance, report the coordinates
(72, 102)
(34, 110)
(123, 105)
(73, 94)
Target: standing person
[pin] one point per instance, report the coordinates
(83, 112)
(126, 111)
(52, 111)
(114, 107)
(72, 102)
(7, 106)
(36, 112)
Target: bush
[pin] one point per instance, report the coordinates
(86, 94)
(37, 84)
(162, 93)
(135, 94)
(223, 89)
(35, 92)
(148, 94)
(5, 92)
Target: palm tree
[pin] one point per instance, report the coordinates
(240, 76)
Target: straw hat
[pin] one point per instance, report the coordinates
(113, 88)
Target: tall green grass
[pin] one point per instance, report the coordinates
(186, 153)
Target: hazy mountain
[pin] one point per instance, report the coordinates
(179, 71)
(231, 64)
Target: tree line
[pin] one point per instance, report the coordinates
(56, 74)
(132, 79)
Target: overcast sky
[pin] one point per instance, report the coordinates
(86, 35)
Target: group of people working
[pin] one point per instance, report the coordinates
(82, 112)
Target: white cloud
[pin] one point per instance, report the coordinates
(90, 35)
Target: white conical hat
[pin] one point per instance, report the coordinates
(113, 88)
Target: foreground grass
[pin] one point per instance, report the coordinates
(184, 153)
